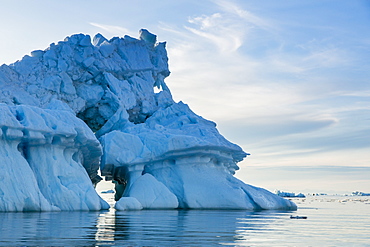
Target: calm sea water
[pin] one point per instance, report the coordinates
(331, 221)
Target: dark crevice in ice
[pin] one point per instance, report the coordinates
(23, 149)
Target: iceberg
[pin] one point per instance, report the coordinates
(359, 193)
(87, 104)
(289, 194)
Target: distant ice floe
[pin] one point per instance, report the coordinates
(107, 191)
(289, 194)
(82, 105)
(359, 193)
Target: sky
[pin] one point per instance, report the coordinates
(288, 80)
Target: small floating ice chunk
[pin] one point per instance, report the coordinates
(107, 191)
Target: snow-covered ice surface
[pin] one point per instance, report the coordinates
(83, 102)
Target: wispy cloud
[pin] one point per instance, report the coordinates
(251, 19)
(113, 29)
(353, 93)
(323, 53)
(218, 30)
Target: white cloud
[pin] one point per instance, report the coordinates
(250, 18)
(353, 93)
(113, 29)
(218, 29)
(323, 53)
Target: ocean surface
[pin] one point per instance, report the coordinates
(331, 221)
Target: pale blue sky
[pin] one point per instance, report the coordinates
(286, 80)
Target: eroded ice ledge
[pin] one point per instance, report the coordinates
(49, 160)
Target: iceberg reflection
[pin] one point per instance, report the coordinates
(137, 228)
(48, 228)
(185, 227)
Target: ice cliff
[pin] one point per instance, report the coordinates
(82, 104)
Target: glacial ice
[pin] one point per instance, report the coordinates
(46, 159)
(289, 194)
(84, 104)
